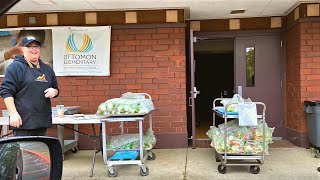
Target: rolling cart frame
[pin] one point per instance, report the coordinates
(232, 159)
(144, 154)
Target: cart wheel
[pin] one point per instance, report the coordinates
(75, 149)
(222, 169)
(319, 169)
(114, 174)
(144, 173)
(152, 157)
(254, 169)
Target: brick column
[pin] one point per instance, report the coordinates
(302, 77)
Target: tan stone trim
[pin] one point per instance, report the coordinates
(79, 18)
(296, 13)
(131, 17)
(313, 10)
(12, 20)
(91, 18)
(195, 25)
(276, 22)
(234, 24)
(171, 16)
(52, 19)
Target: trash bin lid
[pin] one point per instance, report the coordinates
(312, 103)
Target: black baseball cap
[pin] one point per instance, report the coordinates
(28, 39)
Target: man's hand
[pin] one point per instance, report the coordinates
(50, 92)
(15, 120)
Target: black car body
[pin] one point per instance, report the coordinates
(11, 163)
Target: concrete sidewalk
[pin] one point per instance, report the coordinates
(192, 164)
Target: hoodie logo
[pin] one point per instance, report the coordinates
(42, 78)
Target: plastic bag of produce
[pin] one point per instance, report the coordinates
(130, 95)
(131, 141)
(227, 102)
(233, 107)
(125, 105)
(121, 141)
(213, 132)
(255, 147)
(268, 131)
(244, 139)
(149, 139)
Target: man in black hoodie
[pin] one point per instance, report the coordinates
(27, 88)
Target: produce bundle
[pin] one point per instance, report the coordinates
(129, 103)
(228, 102)
(131, 141)
(240, 139)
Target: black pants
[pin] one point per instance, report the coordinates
(30, 132)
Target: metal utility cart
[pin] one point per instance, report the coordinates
(72, 144)
(144, 154)
(231, 159)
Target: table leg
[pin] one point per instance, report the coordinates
(76, 135)
(5, 129)
(94, 149)
(60, 131)
(104, 143)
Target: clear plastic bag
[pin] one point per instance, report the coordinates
(232, 107)
(247, 114)
(240, 139)
(131, 141)
(126, 105)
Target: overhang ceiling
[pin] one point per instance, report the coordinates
(196, 9)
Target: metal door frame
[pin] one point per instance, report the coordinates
(234, 34)
(192, 75)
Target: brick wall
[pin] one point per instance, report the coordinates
(303, 77)
(142, 60)
(293, 95)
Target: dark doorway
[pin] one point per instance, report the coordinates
(214, 78)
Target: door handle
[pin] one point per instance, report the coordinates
(195, 92)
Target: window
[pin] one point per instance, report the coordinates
(250, 66)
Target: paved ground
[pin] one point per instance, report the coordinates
(286, 162)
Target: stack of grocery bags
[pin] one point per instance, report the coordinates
(240, 139)
(245, 134)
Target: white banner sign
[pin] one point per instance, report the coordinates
(81, 51)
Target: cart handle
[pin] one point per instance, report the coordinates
(225, 108)
(214, 102)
